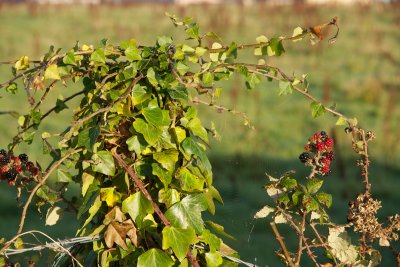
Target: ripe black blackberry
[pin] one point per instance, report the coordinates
(330, 155)
(11, 174)
(23, 157)
(304, 157)
(323, 133)
(3, 152)
(4, 160)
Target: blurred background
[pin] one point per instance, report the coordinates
(360, 73)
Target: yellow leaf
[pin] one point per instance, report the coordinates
(110, 196)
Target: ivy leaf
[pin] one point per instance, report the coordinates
(52, 73)
(154, 257)
(212, 240)
(167, 158)
(207, 78)
(134, 144)
(132, 53)
(288, 183)
(285, 88)
(138, 206)
(178, 239)
(103, 163)
(112, 235)
(69, 58)
(313, 185)
(164, 176)
(193, 31)
(63, 176)
(187, 212)
(150, 132)
(53, 215)
(189, 182)
(181, 68)
(213, 259)
(98, 56)
(178, 92)
(88, 137)
(110, 196)
(155, 116)
(197, 129)
(151, 77)
(168, 196)
(317, 109)
(139, 94)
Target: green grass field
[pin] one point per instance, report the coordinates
(360, 73)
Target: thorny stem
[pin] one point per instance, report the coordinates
(300, 249)
(32, 194)
(282, 244)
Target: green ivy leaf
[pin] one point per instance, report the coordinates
(324, 198)
(212, 240)
(189, 182)
(178, 92)
(168, 196)
(313, 185)
(103, 163)
(134, 144)
(181, 68)
(156, 116)
(133, 53)
(69, 58)
(139, 94)
(178, 239)
(36, 116)
(150, 132)
(28, 137)
(52, 73)
(98, 56)
(213, 259)
(164, 176)
(208, 78)
(88, 137)
(317, 109)
(193, 31)
(138, 206)
(187, 212)
(197, 129)
(167, 158)
(154, 257)
(151, 77)
(63, 176)
(285, 88)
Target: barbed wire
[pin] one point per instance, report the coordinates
(62, 246)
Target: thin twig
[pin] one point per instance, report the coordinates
(157, 210)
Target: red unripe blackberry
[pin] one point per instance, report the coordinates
(329, 142)
(326, 161)
(325, 170)
(17, 160)
(18, 168)
(307, 148)
(320, 146)
(330, 155)
(4, 169)
(317, 136)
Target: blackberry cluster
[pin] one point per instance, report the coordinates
(14, 169)
(318, 153)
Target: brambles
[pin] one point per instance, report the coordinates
(16, 170)
(319, 154)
